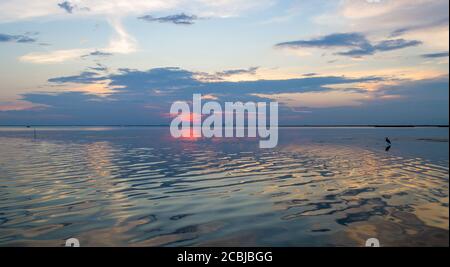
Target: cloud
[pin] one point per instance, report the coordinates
(424, 20)
(59, 56)
(120, 43)
(357, 43)
(395, 44)
(333, 40)
(326, 99)
(398, 14)
(98, 53)
(251, 70)
(310, 74)
(99, 67)
(132, 92)
(435, 55)
(176, 83)
(16, 10)
(84, 77)
(181, 18)
(424, 26)
(144, 97)
(388, 105)
(114, 11)
(220, 75)
(67, 6)
(421, 90)
(7, 38)
(70, 8)
(51, 57)
(19, 105)
(387, 45)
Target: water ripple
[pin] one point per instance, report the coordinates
(157, 191)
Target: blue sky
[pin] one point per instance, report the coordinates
(125, 62)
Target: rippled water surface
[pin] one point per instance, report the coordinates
(139, 187)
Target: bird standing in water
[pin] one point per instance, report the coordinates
(388, 142)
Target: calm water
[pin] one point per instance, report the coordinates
(140, 187)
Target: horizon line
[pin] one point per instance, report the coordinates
(280, 126)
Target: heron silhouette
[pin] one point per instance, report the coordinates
(388, 144)
(388, 141)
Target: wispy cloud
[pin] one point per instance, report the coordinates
(99, 67)
(310, 74)
(356, 43)
(387, 45)
(424, 20)
(436, 55)
(7, 38)
(355, 40)
(121, 43)
(181, 18)
(225, 73)
(19, 105)
(84, 77)
(424, 26)
(405, 15)
(57, 56)
(220, 75)
(67, 6)
(326, 99)
(98, 53)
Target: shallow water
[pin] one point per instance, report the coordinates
(139, 187)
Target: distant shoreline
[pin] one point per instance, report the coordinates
(280, 126)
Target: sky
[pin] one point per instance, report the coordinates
(103, 62)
